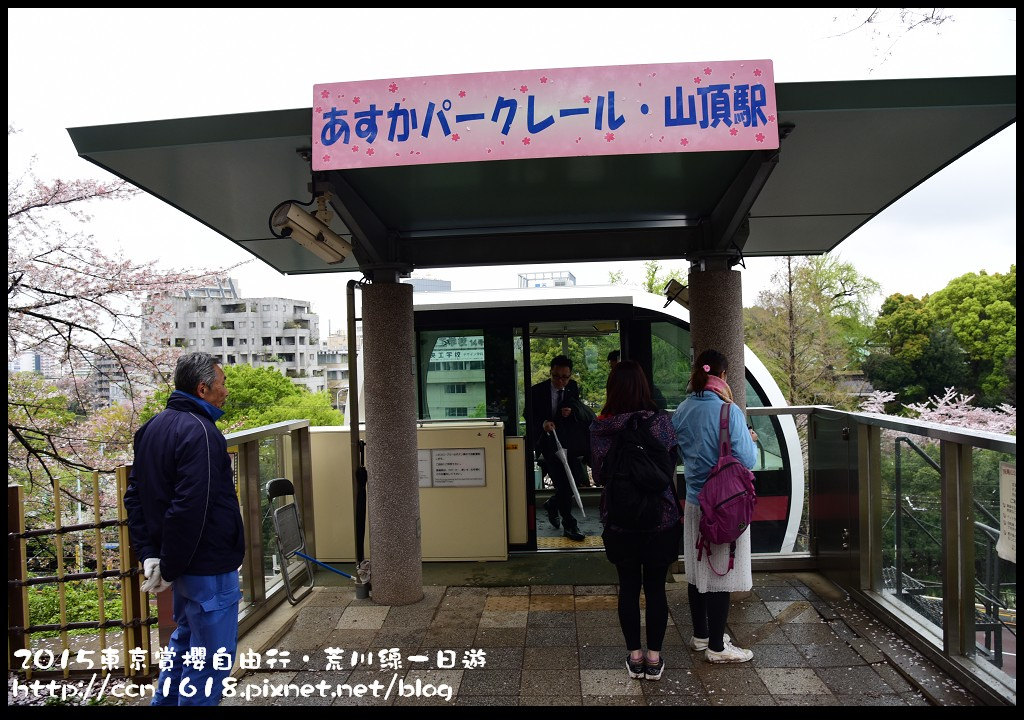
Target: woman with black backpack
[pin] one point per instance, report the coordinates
(697, 421)
(644, 541)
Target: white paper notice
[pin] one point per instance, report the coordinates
(1006, 547)
(459, 467)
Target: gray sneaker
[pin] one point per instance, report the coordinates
(653, 671)
(635, 667)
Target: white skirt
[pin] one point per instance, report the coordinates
(700, 574)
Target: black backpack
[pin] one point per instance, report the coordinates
(635, 473)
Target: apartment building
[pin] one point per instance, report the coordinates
(263, 332)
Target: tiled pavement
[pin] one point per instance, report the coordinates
(545, 645)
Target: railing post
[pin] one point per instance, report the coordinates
(249, 487)
(17, 570)
(958, 549)
(869, 464)
(302, 471)
(136, 632)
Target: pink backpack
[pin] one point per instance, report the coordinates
(726, 500)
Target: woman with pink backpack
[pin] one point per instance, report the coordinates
(696, 422)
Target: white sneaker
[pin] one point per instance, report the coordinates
(699, 644)
(730, 654)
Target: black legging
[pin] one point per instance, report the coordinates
(633, 575)
(709, 611)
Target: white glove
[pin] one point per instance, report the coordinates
(154, 582)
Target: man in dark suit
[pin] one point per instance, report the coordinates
(551, 408)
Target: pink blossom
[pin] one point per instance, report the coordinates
(326, 158)
(369, 151)
(455, 137)
(684, 142)
(523, 88)
(697, 79)
(951, 408)
(462, 93)
(355, 100)
(757, 72)
(586, 99)
(324, 94)
(543, 79)
(734, 131)
(608, 137)
(707, 71)
(355, 148)
(526, 141)
(393, 87)
(759, 137)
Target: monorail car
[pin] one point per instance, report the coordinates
(480, 351)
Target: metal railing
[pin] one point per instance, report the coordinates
(103, 619)
(862, 452)
(278, 450)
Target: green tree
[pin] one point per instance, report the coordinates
(981, 311)
(315, 407)
(913, 354)
(655, 277)
(809, 327)
(262, 395)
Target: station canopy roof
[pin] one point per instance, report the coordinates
(852, 149)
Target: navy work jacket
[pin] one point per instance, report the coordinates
(181, 500)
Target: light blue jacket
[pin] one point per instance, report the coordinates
(696, 424)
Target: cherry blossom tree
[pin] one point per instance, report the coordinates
(953, 408)
(83, 306)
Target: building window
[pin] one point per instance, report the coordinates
(266, 307)
(191, 326)
(192, 342)
(456, 412)
(266, 323)
(201, 308)
(218, 342)
(459, 388)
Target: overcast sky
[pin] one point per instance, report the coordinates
(71, 67)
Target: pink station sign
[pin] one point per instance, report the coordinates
(613, 110)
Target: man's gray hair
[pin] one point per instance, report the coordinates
(195, 368)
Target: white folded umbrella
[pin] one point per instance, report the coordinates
(564, 457)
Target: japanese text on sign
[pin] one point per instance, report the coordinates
(612, 110)
(452, 467)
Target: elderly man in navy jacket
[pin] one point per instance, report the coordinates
(186, 528)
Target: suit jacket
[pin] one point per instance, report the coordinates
(540, 411)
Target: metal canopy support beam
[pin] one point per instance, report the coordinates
(551, 245)
(370, 233)
(729, 224)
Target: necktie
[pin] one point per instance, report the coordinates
(560, 394)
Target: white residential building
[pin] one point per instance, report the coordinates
(262, 332)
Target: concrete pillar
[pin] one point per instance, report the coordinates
(389, 399)
(716, 319)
